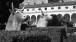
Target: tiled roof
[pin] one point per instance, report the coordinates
(51, 4)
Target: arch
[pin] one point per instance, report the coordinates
(67, 16)
(33, 18)
(28, 17)
(25, 18)
(73, 17)
(52, 14)
(59, 15)
(38, 17)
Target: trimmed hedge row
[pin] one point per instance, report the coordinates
(50, 34)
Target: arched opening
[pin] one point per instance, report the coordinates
(67, 16)
(28, 17)
(23, 24)
(59, 15)
(52, 14)
(55, 21)
(33, 18)
(73, 17)
(38, 17)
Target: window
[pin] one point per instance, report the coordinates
(39, 8)
(34, 3)
(33, 9)
(45, 8)
(74, 6)
(59, 7)
(28, 4)
(52, 7)
(27, 9)
(42, 2)
(66, 7)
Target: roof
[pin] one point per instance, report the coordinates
(51, 4)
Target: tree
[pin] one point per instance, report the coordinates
(54, 21)
(59, 20)
(65, 21)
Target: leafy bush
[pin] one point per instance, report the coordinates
(60, 21)
(40, 38)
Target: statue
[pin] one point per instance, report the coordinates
(15, 19)
(43, 21)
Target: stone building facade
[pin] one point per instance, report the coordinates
(67, 9)
(32, 2)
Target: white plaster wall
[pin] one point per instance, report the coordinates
(49, 11)
(31, 2)
(70, 8)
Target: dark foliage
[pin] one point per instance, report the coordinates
(54, 21)
(53, 1)
(2, 27)
(65, 21)
(5, 5)
(40, 38)
(59, 21)
(15, 3)
(24, 26)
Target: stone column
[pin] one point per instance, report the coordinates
(36, 18)
(70, 17)
(30, 17)
(62, 14)
(74, 24)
